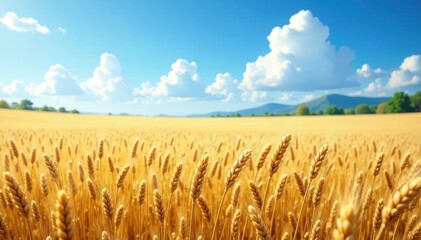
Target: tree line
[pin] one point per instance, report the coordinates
(399, 103)
(26, 104)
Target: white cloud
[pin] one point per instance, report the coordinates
(62, 30)
(106, 81)
(374, 88)
(13, 22)
(225, 86)
(286, 96)
(57, 81)
(301, 58)
(16, 89)
(256, 96)
(408, 74)
(307, 98)
(366, 72)
(182, 82)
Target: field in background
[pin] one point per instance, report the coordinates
(389, 123)
(139, 178)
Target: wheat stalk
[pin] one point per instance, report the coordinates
(175, 177)
(235, 224)
(122, 175)
(262, 157)
(91, 188)
(71, 182)
(314, 170)
(376, 169)
(4, 229)
(398, 202)
(107, 204)
(101, 149)
(278, 155)
(315, 232)
(292, 221)
(141, 193)
(256, 194)
(204, 207)
(19, 198)
(35, 211)
(64, 218)
(90, 166)
(159, 210)
(183, 228)
(230, 179)
(14, 148)
(196, 188)
(344, 228)
(52, 168)
(258, 223)
(118, 216)
(416, 233)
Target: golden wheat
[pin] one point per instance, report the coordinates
(119, 182)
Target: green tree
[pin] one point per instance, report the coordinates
(44, 108)
(349, 111)
(362, 109)
(14, 105)
(399, 103)
(61, 109)
(25, 104)
(416, 101)
(4, 104)
(302, 110)
(77, 112)
(334, 110)
(382, 108)
(373, 109)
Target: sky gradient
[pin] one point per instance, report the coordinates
(183, 57)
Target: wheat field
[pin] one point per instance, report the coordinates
(111, 177)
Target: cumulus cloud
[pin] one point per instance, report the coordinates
(57, 81)
(182, 82)
(307, 98)
(366, 72)
(225, 87)
(16, 89)
(408, 74)
(62, 30)
(255, 96)
(374, 88)
(15, 23)
(301, 58)
(106, 81)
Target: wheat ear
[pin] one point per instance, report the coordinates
(258, 223)
(64, 218)
(230, 179)
(19, 198)
(107, 204)
(344, 223)
(235, 224)
(196, 188)
(4, 229)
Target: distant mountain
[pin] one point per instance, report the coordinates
(318, 104)
(321, 103)
(261, 110)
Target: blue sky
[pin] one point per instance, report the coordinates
(180, 57)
